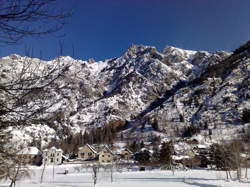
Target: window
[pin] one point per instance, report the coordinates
(57, 160)
(90, 154)
(108, 161)
(102, 155)
(57, 154)
(108, 155)
(82, 154)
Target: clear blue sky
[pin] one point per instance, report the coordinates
(103, 29)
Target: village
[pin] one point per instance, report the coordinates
(189, 153)
(113, 164)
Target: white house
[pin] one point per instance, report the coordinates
(52, 156)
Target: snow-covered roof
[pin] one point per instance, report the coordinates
(180, 157)
(201, 146)
(53, 148)
(128, 150)
(90, 147)
(107, 148)
(29, 151)
(122, 150)
(66, 158)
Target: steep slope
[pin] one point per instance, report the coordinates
(141, 87)
(216, 101)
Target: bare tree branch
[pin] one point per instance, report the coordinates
(22, 18)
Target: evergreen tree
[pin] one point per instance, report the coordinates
(190, 131)
(155, 125)
(156, 155)
(142, 145)
(143, 157)
(85, 137)
(121, 137)
(156, 140)
(134, 147)
(166, 153)
(108, 137)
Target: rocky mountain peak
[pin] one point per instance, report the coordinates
(142, 84)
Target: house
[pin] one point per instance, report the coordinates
(126, 154)
(30, 155)
(201, 149)
(52, 156)
(87, 152)
(106, 155)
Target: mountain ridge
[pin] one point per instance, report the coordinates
(140, 87)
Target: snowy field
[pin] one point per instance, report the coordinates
(83, 178)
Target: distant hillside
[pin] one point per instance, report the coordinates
(143, 91)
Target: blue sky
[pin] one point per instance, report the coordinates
(103, 29)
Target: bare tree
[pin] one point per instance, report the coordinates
(227, 157)
(23, 94)
(16, 170)
(95, 170)
(22, 18)
(42, 175)
(110, 168)
(246, 140)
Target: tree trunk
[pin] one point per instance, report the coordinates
(41, 180)
(12, 182)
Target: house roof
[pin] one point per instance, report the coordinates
(57, 150)
(122, 150)
(108, 149)
(126, 149)
(201, 146)
(29, 151)
(66, 158)
(180, 157)
(90, 147)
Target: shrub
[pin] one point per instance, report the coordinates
(190, 131)
(226, 157)
(166, 152)
(246, 116)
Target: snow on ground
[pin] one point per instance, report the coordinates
(78, 177)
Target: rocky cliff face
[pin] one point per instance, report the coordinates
(172, 88)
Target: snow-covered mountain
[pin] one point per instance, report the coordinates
(173, 88)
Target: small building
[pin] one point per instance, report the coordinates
(201, 149)
(106, 155)
(87, 152)
(126, 154)
(30, 155)
(52, 156)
